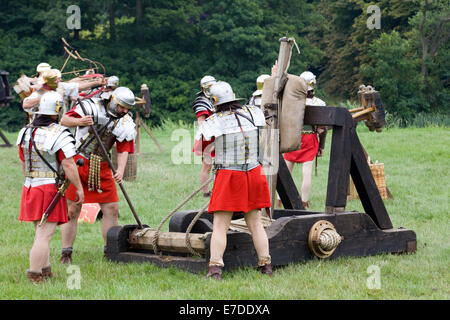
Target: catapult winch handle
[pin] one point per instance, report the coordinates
(111, 166)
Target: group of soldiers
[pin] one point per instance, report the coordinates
(312, 141)
(51, 156)
(228, 133)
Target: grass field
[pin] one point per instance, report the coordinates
(417, 163)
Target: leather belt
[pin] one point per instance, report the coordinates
(41, 174)
(236, 167)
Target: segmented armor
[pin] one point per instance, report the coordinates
(108, 128)
(48, 141)
(236, 141)
(202, 103)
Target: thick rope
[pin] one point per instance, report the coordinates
(188, 230)
(329, 239)
(156, 235)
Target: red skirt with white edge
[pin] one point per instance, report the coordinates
(239, 191)
(307, 152)
(35, 200)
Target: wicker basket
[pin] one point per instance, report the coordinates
(377, 170)
(130, 172)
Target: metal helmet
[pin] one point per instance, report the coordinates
(221, 92)
(113, 81)
(121, 96)
(50, 78)
(205, 83)
(43, 66)
(260, 84)
(50, 104)
(310, 79)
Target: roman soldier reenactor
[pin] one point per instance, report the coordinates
(240, 185)
(203, 108)
(46, 150)
(111, 120)
(310, 144)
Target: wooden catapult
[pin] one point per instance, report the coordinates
(295, 234)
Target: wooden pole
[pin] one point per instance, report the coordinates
(273, 138)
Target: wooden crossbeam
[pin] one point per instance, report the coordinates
(346, 158)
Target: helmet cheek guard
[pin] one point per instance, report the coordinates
(112, 108)
(123, 97)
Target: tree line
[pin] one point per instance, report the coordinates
(170, 45)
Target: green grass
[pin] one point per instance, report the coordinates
(417, 173)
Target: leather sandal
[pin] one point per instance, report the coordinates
(47, 272)
(35, 277)
(214, 272)
(266, 269)
(66, 257)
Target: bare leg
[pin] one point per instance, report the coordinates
(259, 236)
(110, 217)
(307, 176)
(69, 229)
(204, 174)
(221, 224)
(290, 165)
(39, 254)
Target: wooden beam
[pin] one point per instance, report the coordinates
(286, 188)
(339, 168)
(365, 185)
(7, 143)
(167, 241)
(325, 116)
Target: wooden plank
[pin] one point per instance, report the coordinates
(288, 240)
(190, 264)
(286, 188)
(365, 185)
(339, 168)
(167, 241)
(324, 116)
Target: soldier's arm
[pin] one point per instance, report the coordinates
(71, 170)
(201, 118)
(29, 103)
(122, 159)
(86, 85)
(23, 166)
(322, 139)
(70, 121)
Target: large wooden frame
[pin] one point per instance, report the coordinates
(364, 233)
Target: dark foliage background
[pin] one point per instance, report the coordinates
(170, 45)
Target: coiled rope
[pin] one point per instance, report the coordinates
(188, 230)
(329, 239)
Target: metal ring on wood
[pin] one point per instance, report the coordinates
(323, 239)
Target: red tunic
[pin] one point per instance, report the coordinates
(107, 182)
(308, 149)
(35, 200)
(240, 191)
